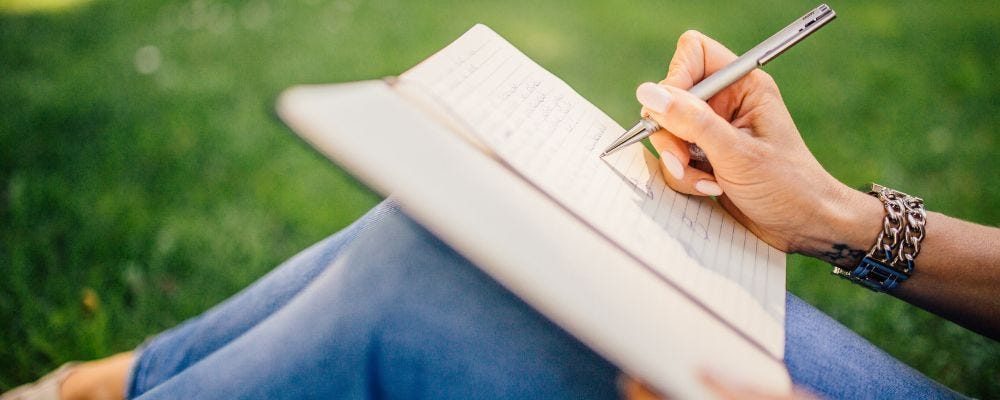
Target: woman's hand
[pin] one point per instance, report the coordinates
(764, 175)
(761, 170)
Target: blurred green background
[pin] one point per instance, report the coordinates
(144, 177)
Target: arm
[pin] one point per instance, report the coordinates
(959, 276)
(957, 273)
(766, 177)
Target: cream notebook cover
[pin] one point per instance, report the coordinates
(499, 158)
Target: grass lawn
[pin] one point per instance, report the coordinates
(144, 177)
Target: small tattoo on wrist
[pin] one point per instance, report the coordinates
(842, 254)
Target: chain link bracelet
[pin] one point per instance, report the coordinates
(891, 259)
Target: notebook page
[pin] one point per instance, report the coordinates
(550, 135)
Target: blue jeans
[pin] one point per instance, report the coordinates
(383, 309)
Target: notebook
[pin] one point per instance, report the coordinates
(499, 158)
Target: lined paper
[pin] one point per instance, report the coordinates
(550, 135)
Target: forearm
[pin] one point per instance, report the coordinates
(956, 275)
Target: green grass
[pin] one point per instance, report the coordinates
(142, 169)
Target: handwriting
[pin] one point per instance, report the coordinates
(551, 136)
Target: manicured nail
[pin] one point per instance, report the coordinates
(708, 187)
(653, 96)
(673, 164)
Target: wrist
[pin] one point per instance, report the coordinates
(846, 224)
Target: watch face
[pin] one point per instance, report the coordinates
(877, 276)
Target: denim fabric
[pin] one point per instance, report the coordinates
(171, 352)
(383, 309)
(832, 361)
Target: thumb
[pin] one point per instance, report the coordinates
(687, 117)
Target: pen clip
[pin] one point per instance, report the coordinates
(798, 30)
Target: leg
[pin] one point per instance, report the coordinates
(431, 350)
(830, 360)
(172, 351)
(399, 314)
(109, 378)
(421, 333)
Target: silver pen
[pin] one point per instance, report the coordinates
(749, 61)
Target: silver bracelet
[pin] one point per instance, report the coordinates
(891, 259)
(913, 234)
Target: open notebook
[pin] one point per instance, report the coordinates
(499, 158)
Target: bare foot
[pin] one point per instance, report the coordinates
(102, 379)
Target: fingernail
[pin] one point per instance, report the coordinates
(708, 187)
(653, 96)
(673, 164)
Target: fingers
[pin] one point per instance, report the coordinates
(686, 118)
(724, 390)
(674, 159)
(696, 57)
(689, 119)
